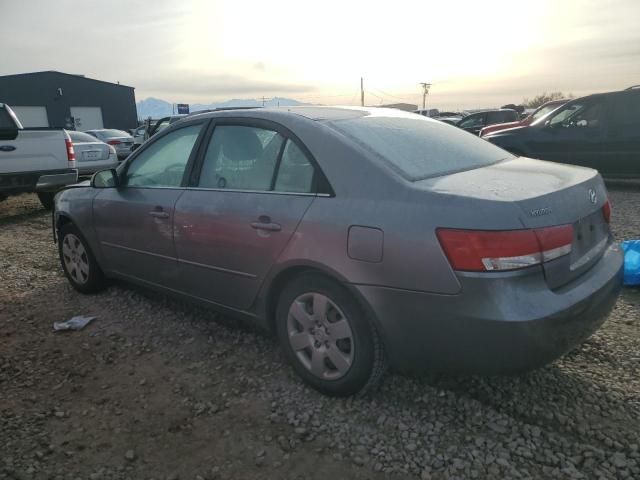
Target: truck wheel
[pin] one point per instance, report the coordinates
(327, 337)
(46, 199)
(78, 262)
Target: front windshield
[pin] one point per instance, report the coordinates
(543, 111)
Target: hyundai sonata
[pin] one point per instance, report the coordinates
(361, 237)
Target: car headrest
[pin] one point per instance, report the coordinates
(240, 143)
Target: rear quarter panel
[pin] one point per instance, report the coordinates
(76, 204)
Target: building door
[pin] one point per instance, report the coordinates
(31, 117)
(87, 118)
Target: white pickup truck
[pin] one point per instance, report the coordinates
(34, 160)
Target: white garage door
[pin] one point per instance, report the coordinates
(87, 118)
(31, 116)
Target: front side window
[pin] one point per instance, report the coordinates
(162, 163)
(542, 111)
(241, 158)
(579, 114)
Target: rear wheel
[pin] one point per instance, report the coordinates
(78, 262)
(46, 199)
(327, 337)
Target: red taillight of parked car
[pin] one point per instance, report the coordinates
(114, 142)
(488, 251)
(606, 211)
(71, 154)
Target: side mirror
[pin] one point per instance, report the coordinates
(105, 179)
(10, 133)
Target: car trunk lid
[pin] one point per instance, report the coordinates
(546, 194)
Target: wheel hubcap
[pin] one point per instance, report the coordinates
(321, 336)
(75, 258)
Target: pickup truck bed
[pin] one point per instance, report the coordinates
(34, 160)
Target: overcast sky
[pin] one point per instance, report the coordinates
(476, 53)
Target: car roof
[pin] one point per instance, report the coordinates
(317, 113)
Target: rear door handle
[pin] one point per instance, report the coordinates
(272, 227)
(158, 213)
(7, 148)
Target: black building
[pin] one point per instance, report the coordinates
(61, 100)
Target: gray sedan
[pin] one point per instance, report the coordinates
(362, 237)
(92, 154)
(118, 139)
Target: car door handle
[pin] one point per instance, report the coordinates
(272, 227)
(7, 148)
(159, 214)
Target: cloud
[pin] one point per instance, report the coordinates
(200, 84)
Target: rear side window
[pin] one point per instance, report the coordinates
(626, 111)
(420, 148)
(295, 173)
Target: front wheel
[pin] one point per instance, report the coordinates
(327, 338)
(78, 262)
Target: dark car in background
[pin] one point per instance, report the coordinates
(476, 121)
(600, 131)
(537, 114)
(264, 214)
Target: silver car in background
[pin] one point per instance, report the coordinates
(361, 237)
(92, 154)
(118, 139)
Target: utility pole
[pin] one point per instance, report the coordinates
(361, 92)
(425, 92)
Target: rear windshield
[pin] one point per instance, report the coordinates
(113, 133)
(80, 137)
(418, 147)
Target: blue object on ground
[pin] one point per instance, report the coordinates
(631, 250)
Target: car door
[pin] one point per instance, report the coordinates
(253, 187)
(573, 134)
(585, 133)
(621, 152)
(134, 222)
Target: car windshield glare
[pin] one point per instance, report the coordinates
(418, 147)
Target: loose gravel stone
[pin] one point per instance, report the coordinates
(186, 393)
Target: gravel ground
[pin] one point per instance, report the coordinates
(155, 388)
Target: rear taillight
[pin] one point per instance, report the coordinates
(483, 250)
(606, 211)
(114, 142)
(71, 154)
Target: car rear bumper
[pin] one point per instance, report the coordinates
(47, 180)
(498, 324)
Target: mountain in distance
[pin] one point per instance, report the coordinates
(158, 108)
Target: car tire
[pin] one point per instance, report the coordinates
(46, 199)
(78, 262)
(336, 350)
